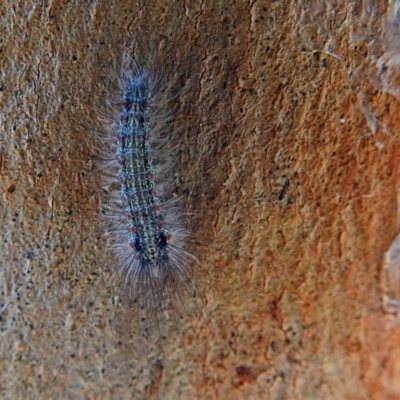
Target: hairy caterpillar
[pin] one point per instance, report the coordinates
(149, 238)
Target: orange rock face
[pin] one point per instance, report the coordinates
(286, 118)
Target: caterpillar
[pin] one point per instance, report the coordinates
(149, 238)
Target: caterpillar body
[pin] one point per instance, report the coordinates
(148, 236)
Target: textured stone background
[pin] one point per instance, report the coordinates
(288, 119)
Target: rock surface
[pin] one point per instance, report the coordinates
(287, 118)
